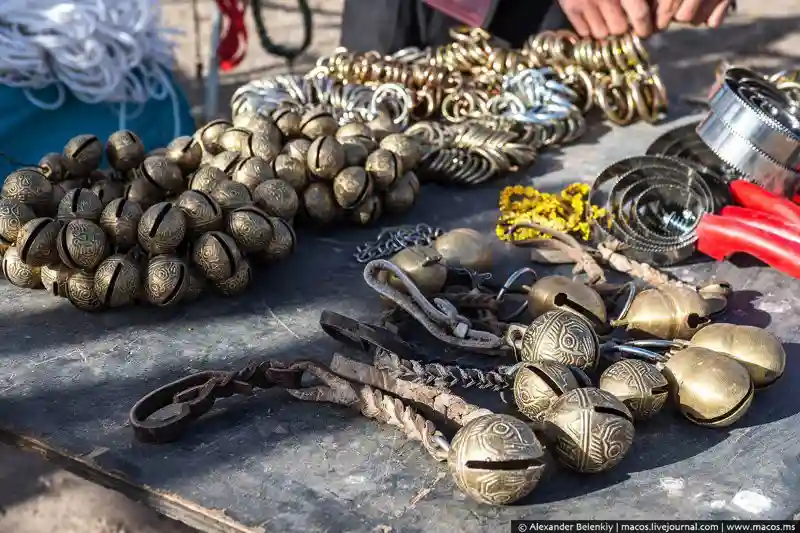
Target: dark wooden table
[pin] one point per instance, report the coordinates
(269, 463)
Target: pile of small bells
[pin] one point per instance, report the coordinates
(670, 350)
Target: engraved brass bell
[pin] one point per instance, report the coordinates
(54, 279)
(17, 272)
(252, 143)
(208, 135)
(162, 229)
(36, 242)
(298, 149)
(231, 195)
(561, 336)
(124, 150)
(561, 292)
(591, 430)
(368, 211)
(259, 123)
(355, 151)
(106, 190)
(250, 228)
(226, 161)
(80, 292)
(30, 187)
(423, 265)
(465, 248)
(53, 167)
(538, 385)
(13, 215)
(407, 149)
(319, 203)
(639, 385)
(400, 197)
(351, 187)
(206, 178)
(353, 129)
(186, 153)
(120, 220)
(216, 255)
(82, 244)
(288, 122)
(277, 199)
(496, 459)
(82, 154)
(166, 280)
(292, 171)
(117, 281)
(667, 312)
(318, 122)
(201, 211)
(252, 172)
(325, 158)
(162, 174)
(282, 244)
(238, 283)
(143, 192)
(79, 203)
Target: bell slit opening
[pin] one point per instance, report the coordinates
(511, 464)
(178, 286)
(229, 254)
(612, 411)
(111, 284)
(555, 387)
(695, 321)
(214, 206)
(158, 220)
(23, 253)
(76, 197)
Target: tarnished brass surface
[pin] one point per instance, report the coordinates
(231, 195)
(206, 178)
(356, 150)
(561, 336)
(36, 242)
(561, 292)
(465, 248)
(106, 190)
(82, 244)
(298, 149)
(202, 212)
(238, 283)
(30, 187)
(400, 197)
(79, 203)
(351, 187)
(117, 281)
(423, 265)
(292, 170)
(353, 129)
(227, 161)
(166, 280)
(592, 430)
(80, 292)
(368, 211)
(143, 192)
(277, 199)
(13, 215)
(124, 150)
(53, 167)
(208, 136)
(259, 123)
(282, 244)
(496, 459)
(186, 153)
(17, 272)
(384, 167)
(639, 385)
(216, 255)
(165, 176)
(319, 203)
(710, 388)
(82, 154)
(161, 229)
(252, 172)
(667, 312)
(251, 228)
(318, 122)
(759, 351)
(120, 220)
(288, 122)
(406, 147)
(54, 279)
(538, 385)
(325, 157)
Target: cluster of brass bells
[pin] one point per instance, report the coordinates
(156, 228)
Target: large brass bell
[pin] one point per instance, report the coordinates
(79, 203)
(30, 187)
(282, 244)
(423, 265)
(82, 244)
(120, 220)
(252, 172)
(82, 154)
(351, 187)
(216, 255)
(639, 385)
(561, 292)
(226, 161)
(325, 158)
(124, 150)
(162, 229)
(13, 215)
(238, 283)
(465, 248)
(561, 336)
(208, 136)
(496, 459)
(201, 211)
(406, 147)
(117, 281)
(53, 167)
(291, 170)
(231, 195)
(592, 430)
(143, 192)
(538, 385)
(186, 153)
(18, 273)
(288, 121)
(318, 122)
(162, 174)
(166, 281)
(667, 312)
(319, 203)
(297, 149)
(36, 242)
(106, 190)
(206, 178)
(277, 199)
(80, 292)
(250, 228)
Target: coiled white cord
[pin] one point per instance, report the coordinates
(112, 51)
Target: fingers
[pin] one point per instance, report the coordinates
(665, 12)
(639, 15)
(614, 16)
(597, 24)
(688, 11)
(574, 12)
(718, 15)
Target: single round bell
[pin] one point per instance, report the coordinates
(36, 242)
(166, 280)
(318, 122)
(282, 244)
(117, 281)
(235, 139)
(423, 265)
(17, 272)
(82, 244)
(250, 228)
(561, 292)
(400, 197)
(82, 154)
(319, 203)
(201, 211)
(79, 203)
(206, 178)
(53, 167)
(124, 150)
(143, 192)
(465, 248)
(538, 385)
(591, 429)
(288, 121)
(227, 162)
(107, 190)
(382, 125)
(297, 148)
(162, 174)
(216, 255)
(54, 279)
(238, 283)
(252, 172)
(406, 147)
(120, 220)
(259, 123)
(558, 335)
(250, 143)
(667, 312)
(496, 459)
(368, 212)
(30, 187)
(231, 195)
(186, 153)
(355, 151)
(351, 187)
(80, 292)
(639, 385)
(209, 135)
(710, 388)
(292, 171)
(162, 229)
(384, 167)
(13, 215)
(325, 158)
(758, 350)
(353, 129)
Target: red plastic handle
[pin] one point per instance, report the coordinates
(767, 222)
(751, 195)
(720, 237)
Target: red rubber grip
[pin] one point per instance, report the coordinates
(751, 195)
(763, 221)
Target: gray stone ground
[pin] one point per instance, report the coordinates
(35, 497)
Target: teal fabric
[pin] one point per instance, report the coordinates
(28, 132)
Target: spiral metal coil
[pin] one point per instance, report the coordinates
(566, 48)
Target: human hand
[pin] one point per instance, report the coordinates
(710, 12)
(601, 18)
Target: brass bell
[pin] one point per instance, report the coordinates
(250, 228)
(277, 198)
(667, 312)
(186, 153)
(30, 187)
(235, 140)
(107, 190)
(209, 135)
(54, 279)
(161, 229)
(36, 242)
(73, 183)
(120, 220)
(413, 180)
(58, 194)
(592, 430)
(288, 121)
(157, 152)
(282, 244)
(258, 123)
(82, 154)
(298, 149)
(319, 203)
(53, 167)
(423, 265)
(216, 255)
(238, 283)
(325, 158)
(292, 171)
(401, 195)
(17, 272)
(382, 125)
(351, 187)
(318, 122)
(197, 286)
(639, 385)
(13, 215)
(252, 172)
(117, 281)
(206, 178)
(143, 192)
(80, 292)
(162, 174)
(557, 335)
(82, 244)
(368, 211)
(201, 211)
(465, 248)
(355, 151)
(79, 203)
(538, 385)
(407, 149)
(759, 351)
(166, 280)
(384, 167)
(124, 150)
(561, 292)
(231, 195)
(227, 162)
(261, 145)
(353, 129)
(496, 459)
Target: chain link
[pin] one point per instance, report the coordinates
(392, 240)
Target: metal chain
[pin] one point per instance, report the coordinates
(392, 240)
